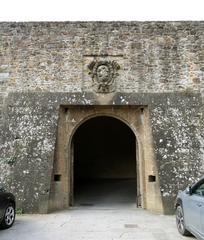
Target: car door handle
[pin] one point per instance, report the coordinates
(199, 204)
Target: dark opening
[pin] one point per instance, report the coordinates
(152, 178)
(104, 163)
(57, 177)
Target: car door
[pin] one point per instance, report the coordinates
(192, 212)
(202, 221)
(2, 205)
(196, 210)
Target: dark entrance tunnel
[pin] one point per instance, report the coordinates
(104, 163)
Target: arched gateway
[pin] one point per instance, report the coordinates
(104, 170)
(58, 77)
(104, 156)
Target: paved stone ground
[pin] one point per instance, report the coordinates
(89, 223)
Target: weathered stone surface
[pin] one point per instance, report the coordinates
(45, 65)
(156, 57)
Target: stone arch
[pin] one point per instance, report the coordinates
(108, 169)
(137, 119)
(93, 115)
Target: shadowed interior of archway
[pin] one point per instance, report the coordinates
(104, 163)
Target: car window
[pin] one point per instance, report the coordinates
(199, 190)
(2, 189)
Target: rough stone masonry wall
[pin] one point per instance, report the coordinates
(154, 56)
(45, 65)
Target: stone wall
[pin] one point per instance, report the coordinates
(154, 56)
(45, 65)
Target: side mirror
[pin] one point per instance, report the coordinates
(189, 190)
(2, 189)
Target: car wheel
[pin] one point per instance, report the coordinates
(180, 222)
(9, 217)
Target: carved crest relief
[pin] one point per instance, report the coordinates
(103, 74)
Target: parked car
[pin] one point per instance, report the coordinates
(7, 209)
(190, 210)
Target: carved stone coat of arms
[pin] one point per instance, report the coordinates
(103, 74)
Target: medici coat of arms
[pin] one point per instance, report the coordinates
(103, 74)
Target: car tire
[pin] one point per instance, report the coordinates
(180, 222)
(9, 216)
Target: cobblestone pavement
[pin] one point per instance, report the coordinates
(89, 223)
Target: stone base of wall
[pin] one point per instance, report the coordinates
(32, 121)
